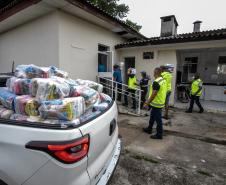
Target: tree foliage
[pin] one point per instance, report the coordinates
(134, 25)
(114, 8)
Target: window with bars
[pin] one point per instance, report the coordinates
(221, 67)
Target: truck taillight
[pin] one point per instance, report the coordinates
(67, 152)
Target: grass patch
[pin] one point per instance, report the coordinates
(204, 173)
(140, 157)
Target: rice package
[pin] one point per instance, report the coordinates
(67, 81)
(59, 73)
(19, 117)
(49, 89)
(90, 95)
(7, 98)
(66, 109)
(105, 98)
(5, 113)
(32, 71)
(89, 115)
(101, 106)
(19, 86)
(26, 105)
(96, 86)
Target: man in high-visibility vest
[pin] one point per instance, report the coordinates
(168, 77)
(157, 102)
(196, 92)
(132, 86)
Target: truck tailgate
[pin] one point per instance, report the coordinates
(16, 157)
(103, 132)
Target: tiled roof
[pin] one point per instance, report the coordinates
(11, 7)
(218, 34)
(6, 5)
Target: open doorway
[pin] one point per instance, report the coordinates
(129, 63)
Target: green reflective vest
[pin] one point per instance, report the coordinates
(168, 77)
(132, 83)
(196, 84)
(160, 98)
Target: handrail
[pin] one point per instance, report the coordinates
(112, 86)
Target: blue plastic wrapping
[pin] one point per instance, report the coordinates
(7, 98)
(32, 71)
(19, 86)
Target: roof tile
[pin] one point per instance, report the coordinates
(217, 34)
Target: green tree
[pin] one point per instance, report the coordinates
(117, 10)
(133, 25)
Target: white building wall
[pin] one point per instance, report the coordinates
(165, 53)
(31, 43)
(161, 57)
(78, 41)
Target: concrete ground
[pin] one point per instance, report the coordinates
(210, 106)
(193, 151)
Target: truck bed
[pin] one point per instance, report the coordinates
(50, 126)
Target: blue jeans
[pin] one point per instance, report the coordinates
(156, 115)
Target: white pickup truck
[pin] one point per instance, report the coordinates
(49, 154)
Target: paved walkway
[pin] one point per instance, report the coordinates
(210, 106)
(192, 151)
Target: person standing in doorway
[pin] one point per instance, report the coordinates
(167, 76)
(117, 77)
(132, 85)
(196, 92)
(144, 87)
(157, 103)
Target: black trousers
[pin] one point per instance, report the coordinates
(195, 99)
(132, 92)
(156, 116)
(143, 95)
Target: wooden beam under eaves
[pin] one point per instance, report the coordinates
(122, 32)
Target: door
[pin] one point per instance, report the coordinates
(129, 63)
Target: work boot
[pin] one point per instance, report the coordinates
(201, 111)
(156, 137)
(188, 111)
(147, 130)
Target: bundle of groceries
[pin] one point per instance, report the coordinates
(48, 95)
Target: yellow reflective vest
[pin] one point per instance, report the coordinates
(160, 98)
(168, 77)
(196, 84)
(132, 83)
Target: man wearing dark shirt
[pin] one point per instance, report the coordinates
(157, 101)
(117, 77)
(144, 87)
